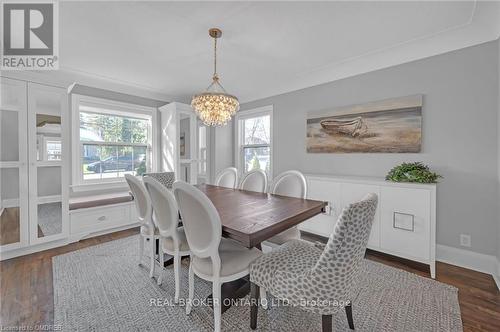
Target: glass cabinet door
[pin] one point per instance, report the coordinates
(188, 170)
(13, 165)
(46, 123)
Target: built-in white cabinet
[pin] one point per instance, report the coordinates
(33, 164)
(405, 220)
(184, 143)
(14, 214)
(90, 221)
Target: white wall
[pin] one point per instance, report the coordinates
(459, 134)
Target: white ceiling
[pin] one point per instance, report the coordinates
(267, 48)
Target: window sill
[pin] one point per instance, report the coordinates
(99, 186)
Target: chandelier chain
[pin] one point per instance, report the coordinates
(215, 58)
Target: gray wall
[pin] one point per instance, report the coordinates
(498, 171)
(222, 154)
(459, 134)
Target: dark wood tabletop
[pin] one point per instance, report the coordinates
(250, 218)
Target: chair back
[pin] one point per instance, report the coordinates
(346, 247)
(200, 218)
(227, 178)
(141, 199)
(166, 178)
(289, 183)
(255, 180)
(164, 207)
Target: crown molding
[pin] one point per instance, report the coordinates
(65, 77)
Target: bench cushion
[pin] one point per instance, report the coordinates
(99, 200)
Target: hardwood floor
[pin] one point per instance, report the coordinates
(27, 294)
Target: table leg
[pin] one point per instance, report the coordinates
(168, 259)
(232, 291)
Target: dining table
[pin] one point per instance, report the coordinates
(251, 218)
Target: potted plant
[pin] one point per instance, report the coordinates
(412, 172)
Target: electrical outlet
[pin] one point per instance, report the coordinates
(465, 240)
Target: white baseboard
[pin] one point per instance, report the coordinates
(58, 243)
(470, 260)
(497, 275)
(33, 249)
(497, 281)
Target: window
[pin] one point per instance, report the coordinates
(52, 148)
(254, 140)
(113, 139)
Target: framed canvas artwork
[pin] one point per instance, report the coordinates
(386, 126)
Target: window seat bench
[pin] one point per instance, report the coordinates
(84, 202)
(96, 215)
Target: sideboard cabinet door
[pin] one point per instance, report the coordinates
(354, 192)
(405, 222)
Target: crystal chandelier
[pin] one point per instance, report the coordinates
(215, 106)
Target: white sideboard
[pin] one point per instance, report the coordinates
(405, 220)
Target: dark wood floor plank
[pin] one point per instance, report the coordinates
(26, 293)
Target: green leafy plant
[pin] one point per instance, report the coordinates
(255, 162)
(141, 169)
(412, 172)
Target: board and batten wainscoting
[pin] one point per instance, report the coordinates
(405, 220)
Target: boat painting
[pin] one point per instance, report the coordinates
(350, 127)
(386, 126)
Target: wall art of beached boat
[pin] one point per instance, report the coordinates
(353, 127)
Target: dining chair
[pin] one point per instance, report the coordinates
(255, 180)
(293, 184)
(228, 178)
(172, 238)
(212, 258)
(148, 231)
(321, 279)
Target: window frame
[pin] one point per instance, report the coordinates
(46, 154)
(110, 107)
(240, 117)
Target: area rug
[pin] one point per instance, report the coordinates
(50, 218)
(102, 288)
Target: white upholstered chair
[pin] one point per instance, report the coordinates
(320, 279)
(228, 178)
(255, 180)
(213, 258)
(145, 215)
(293, 184)
(172, 238)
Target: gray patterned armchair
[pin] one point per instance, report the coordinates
(317, 278)
(165, 178)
